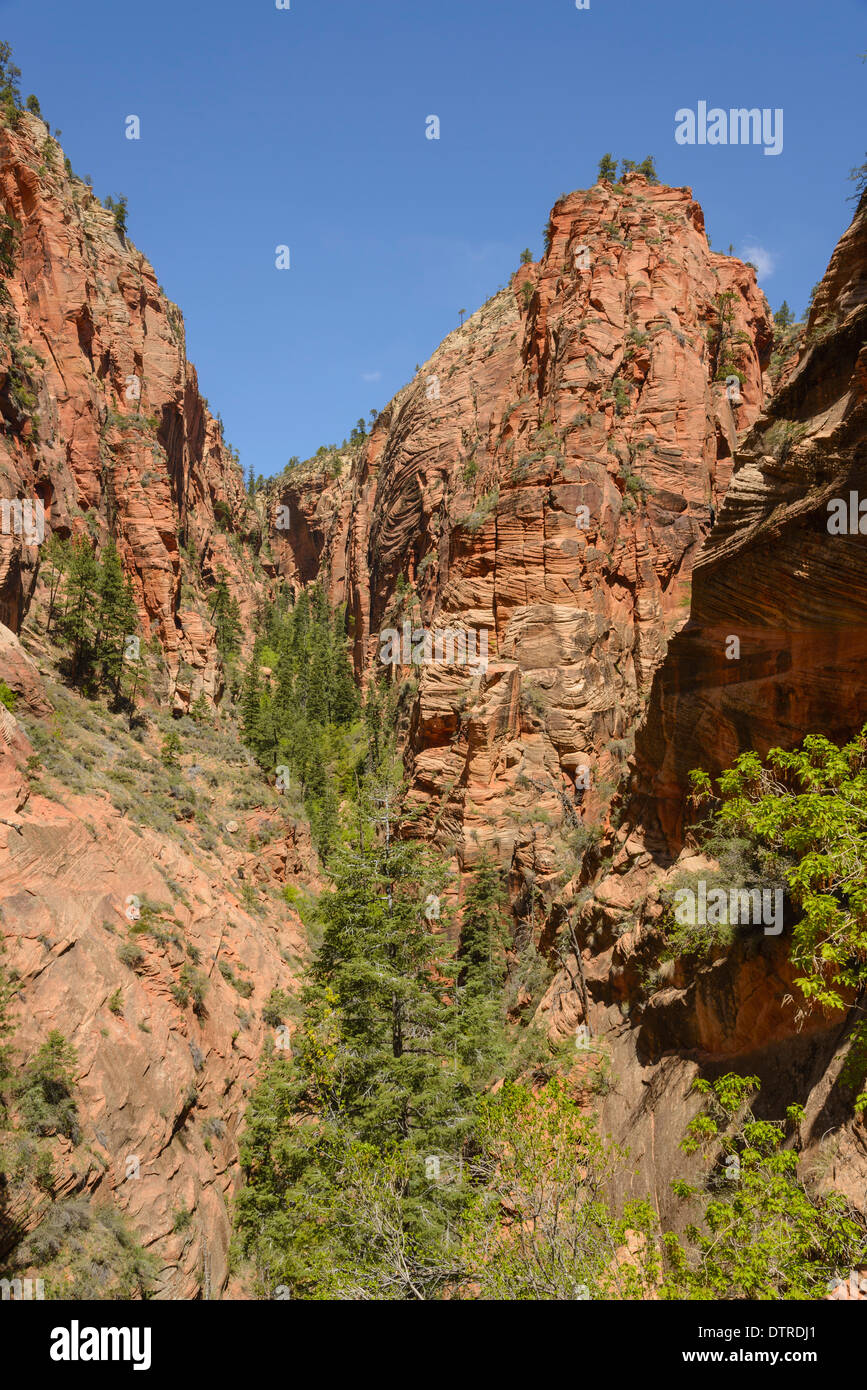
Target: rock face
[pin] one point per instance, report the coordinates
(591, 462)
(784, 570)
(104, 431)
(778, 578)
(545, 482)
(101, 417)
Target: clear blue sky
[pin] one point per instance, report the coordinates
(306, 127)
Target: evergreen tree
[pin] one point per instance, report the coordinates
(117, 616)
(251, 696)
(607, 169)
(373, 1075)
(78, 624)
(226, 617)
(479, 1020)
(55, 554)
(784, 318)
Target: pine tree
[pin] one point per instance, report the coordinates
(78, 624)
(251, 695)
(226, 617)
(373, 1074)
(607, 169)
(55, 554)
(117, 616)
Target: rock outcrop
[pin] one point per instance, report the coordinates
(101, 418)
(546, 482)
(772, 651)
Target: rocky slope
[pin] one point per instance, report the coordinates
(570, 477)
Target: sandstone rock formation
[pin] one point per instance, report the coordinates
(547, 480)
(100, 410)
(791, 590)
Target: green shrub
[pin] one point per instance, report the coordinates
(44, 1093)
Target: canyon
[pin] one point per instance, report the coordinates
(610, 469)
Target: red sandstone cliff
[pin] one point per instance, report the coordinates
(773, 575)
(546, 479)
(100, 412)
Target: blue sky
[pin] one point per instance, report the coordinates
(306, 127)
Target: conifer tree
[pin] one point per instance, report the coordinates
(226, 617)
(55, 554)
(117, 616)
(78, 625)
(607, 169)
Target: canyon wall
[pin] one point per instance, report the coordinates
(547, 480)
(103, 425)
(778, 576)
(101, 419)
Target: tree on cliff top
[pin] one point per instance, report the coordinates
(607, 169)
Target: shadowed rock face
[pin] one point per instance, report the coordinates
(100, 411)
(547, 479)
(775, 574)
(793, 593)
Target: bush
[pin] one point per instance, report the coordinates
(85, 1252)
(275, 1008)
(171, 750)
(130, 954)
(44, 1094)
(196, 983)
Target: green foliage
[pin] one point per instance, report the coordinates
(782, 437)
(276, 1007)
(302, 717)
(784, 318)
(526, 256)
(170, 753)
(760, 1234)
(397, 1038)
(7, 994)
(131, 955)
(118, 206)
(540, 1225)
(607, 172)
(10, 92)
(195, 985)
(97, 610)
(728, 344)
(87, 1252)
(44, 1094)
(808, 807)
(7, 697)
(226, 617)
(183, 1219)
